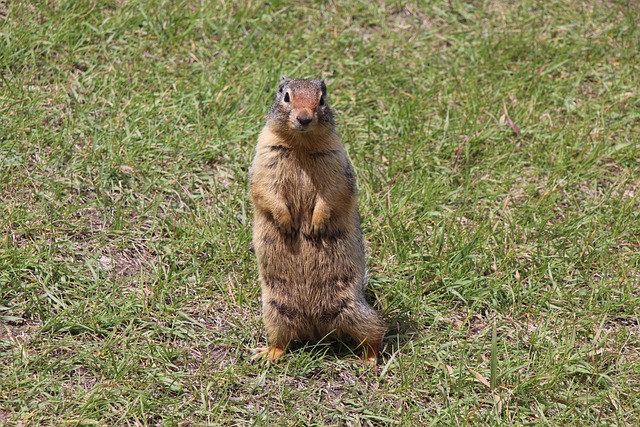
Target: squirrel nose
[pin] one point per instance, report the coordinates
(304, 120)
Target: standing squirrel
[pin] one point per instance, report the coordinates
(306, 231)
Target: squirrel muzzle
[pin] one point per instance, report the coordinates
(304, 118)
(303, 115)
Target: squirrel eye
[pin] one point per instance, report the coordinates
(321, 100)
(287, 98)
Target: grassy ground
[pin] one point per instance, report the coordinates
(497, 148)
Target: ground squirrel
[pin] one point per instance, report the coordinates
(306, 230)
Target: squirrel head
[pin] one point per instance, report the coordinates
(301, 106)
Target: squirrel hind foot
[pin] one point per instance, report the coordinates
(369, 356)
(268, 354)
(369, 359)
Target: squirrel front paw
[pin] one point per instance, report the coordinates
(319, 221)
(318, 227)
(286, 224)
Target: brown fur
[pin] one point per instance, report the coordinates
(306, 227)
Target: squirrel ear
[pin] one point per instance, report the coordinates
(283, 82)
(323, 87)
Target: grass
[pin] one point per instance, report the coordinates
(497, 149)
